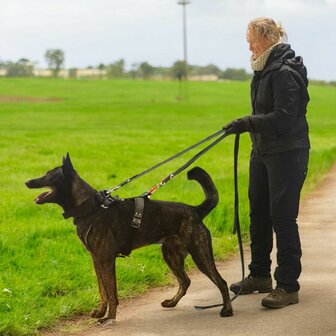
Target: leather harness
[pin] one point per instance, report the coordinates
(103, 200)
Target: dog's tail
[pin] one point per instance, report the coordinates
(209, 188)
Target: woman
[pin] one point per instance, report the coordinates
(278, 163)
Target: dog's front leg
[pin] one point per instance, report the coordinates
(110, 288)
(99, 313)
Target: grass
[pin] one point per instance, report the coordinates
(113, 130)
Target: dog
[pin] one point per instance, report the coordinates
(107, 232)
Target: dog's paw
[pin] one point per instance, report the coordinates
(226, 313)
(168, 303)
(105, 322)
(98, 313)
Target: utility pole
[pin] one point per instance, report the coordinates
(184, 3)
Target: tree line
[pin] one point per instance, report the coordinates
(25, 68)
(55, 59)
(178, 70)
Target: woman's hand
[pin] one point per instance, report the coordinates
(238, 126)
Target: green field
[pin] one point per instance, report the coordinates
(113, 130)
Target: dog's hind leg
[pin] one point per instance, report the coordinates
(200, 248)
(99, 313)
(174, 254)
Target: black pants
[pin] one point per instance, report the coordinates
(274, 192)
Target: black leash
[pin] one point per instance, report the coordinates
(236, 225)
(236, 229)
(150, 191)
(172, 158)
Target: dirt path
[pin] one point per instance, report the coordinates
(314, 315)
(19, 99)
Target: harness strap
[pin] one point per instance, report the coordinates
(139, 204)
(138, 212)
(86, 242)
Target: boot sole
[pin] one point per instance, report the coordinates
(275, 306)
(268, 290)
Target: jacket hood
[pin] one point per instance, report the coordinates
(283, 54)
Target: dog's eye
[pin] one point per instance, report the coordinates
(54, 175)
(50, 174)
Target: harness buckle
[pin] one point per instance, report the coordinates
(136, 222)
(105, 199)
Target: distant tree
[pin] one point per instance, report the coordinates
(101, 66)
(146, 70)
(22, 68)
(179, 69)
(55, 59)
(134, 72)
(116, 69)
(211, 69)
(164, 72)
(235, 74)
(194, 69)
(73, 73)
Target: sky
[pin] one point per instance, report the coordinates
(91, 32)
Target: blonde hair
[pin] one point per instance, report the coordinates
(267, 30)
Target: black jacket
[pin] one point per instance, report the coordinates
(279, 100)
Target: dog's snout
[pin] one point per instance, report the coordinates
(32, 184)
(28, 183)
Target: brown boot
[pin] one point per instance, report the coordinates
(251, 284)
(279, 298)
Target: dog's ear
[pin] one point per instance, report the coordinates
(67, 160)
(67, 167)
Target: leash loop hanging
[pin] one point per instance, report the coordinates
(237, 229)
(236, 223)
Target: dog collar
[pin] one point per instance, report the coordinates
(84, 209)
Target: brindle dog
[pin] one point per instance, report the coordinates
(107, 233)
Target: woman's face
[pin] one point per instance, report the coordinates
(256, 45)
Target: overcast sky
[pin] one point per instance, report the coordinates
(102, 31)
